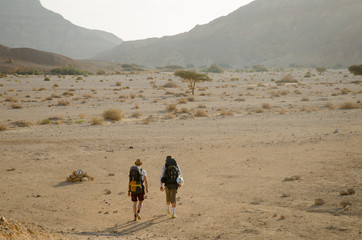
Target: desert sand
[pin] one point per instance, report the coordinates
(255, 154)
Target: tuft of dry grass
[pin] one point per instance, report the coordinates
(136, 115)
(3, 127)
(97, 121)
(63, 103)
(171, 108)
(282, 111)
(16, 106)
(191, 99)
(259, 110)
(287, 79)
(22, 123)
(201, 113)
(170, 85)
(184, 110)
(170, 115)
(182, 101)
(305, 99)
(224, 112)
(201, 106)
(112, 114)
(266, 106)
(349, 105)
(329, 105)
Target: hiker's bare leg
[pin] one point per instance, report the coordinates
(140, 206)
(134, 208)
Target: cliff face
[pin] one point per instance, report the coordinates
(26, 23)
(273, 33)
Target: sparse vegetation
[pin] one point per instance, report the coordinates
(68, 70)
(3, 127)
(201, 113)
(355, 69)
(349, 105)
(97, 121)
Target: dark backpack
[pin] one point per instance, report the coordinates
(171, 173)
(135, 180)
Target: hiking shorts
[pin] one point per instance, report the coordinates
(138, 197)
(171, 194)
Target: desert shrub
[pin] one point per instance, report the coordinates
(45, 121)
(355, 69)
(170, 85)
(170, 115)
(308, 75)
(11, 99)
(3, 127)
(345, 91)
(201, 106)
(191, 99)
(260, 68)
(321, 70)
(329, 105)
(284, 92)
(305, 99)
(305, 109)
(171, 108)
(282, 111)
(97, 121)
(259, 110)
(214, 69)
(184, 110)
(287, 79)
(201, 113)
(266, 106)
(63, 103)
(224, 112)
(101, 72)
(22, 123)
(67, 70)
(112, 114)
(118, 84)
(16, 106)
(349, 105)
(46, 79)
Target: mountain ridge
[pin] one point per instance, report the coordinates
(26, 23)
(273, 33)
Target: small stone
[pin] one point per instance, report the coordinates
(319, 201)
(107, 191)
(285, 195)
(282, 217)
(111, 174)
(345, 204)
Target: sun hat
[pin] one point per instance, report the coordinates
(138, 162)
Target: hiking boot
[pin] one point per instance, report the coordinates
(135, 218)
(168, 211)
(174, 216)
(139, 217)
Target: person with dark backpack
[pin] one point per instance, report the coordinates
(171, 179)
(136, 187)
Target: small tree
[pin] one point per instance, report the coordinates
(192, 78)
(215, 69)
(356, 69)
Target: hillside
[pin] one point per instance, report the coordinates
(30, 60)
(26, 23)
(274, 33)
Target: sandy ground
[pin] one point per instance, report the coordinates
(235, 160)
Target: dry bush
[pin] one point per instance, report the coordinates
(305, 99)
(171, 108)
(314, 108)
(184, 110)
(296, 91)
(349, 105)
(137, 106)
(287, 79)
(240, 99)
(45, 121)
(22, 123)
(133, 95)
(170, 115)
(305, 109)
(170, 85)
(97, 121)
(201, 106)
(118, 84)
(82, 116)
(329, 105)
(259, 110)
(16, 106)
(224, 112)
(284, 92)
(11, 99)
(345, 91)
(266, 106)
(201, 113)
(63, 103)
(112, 114)
(182, 101)
(68, 94)
(191, 99)
(3, 127)
(282, 111)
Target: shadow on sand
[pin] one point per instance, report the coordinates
(126, 228)
(64, 184)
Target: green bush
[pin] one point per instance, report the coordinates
(356, 69)
(215, 69)
(68, 70)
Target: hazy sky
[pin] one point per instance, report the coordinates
(140, 19)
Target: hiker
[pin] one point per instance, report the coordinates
(171, 178)
(136, 187)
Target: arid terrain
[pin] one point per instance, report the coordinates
(264, 156)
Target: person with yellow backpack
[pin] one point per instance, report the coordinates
(137, 187)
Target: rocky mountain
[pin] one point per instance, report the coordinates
(26, 23)
(270, 32)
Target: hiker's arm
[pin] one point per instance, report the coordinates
(146, 183)
(129, 190)
(163, 172)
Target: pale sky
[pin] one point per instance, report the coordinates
(140, 19)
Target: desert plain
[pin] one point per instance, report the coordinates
(263, 157)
